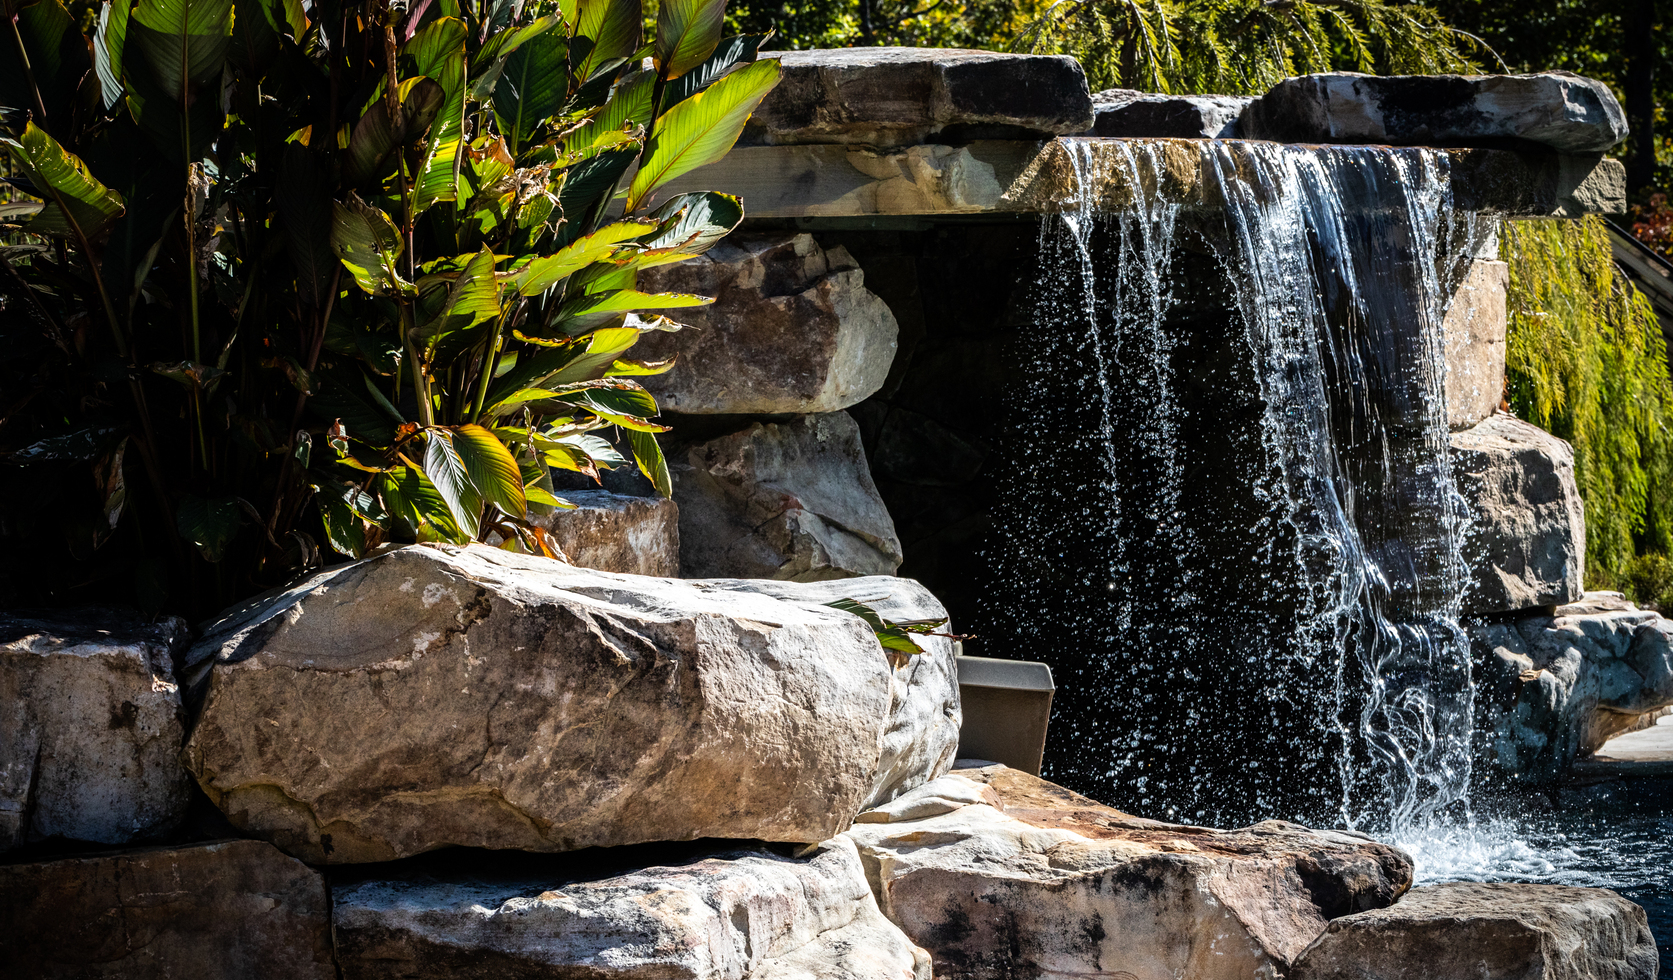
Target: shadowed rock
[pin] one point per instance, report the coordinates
(1127, 113)
(433, 695)
(1471, 931)
(1003, 875)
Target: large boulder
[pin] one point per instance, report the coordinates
(90, 728)
(1470, 931)
(433, 695)
(1553, 688)
(725, 915)
(784, 500)
(892, 97)
(1474, 336)
(228, 910)
(615, 532)
(1122, 112)
(1527, 535)
(1003, 875)
(1556, 109)
(793, 329)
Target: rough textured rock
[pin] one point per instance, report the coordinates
(1554, 688)
(793, 329)
(728, 915)
(1128, 113)
(229, 910)
(1470, 931)
(891, 97)
(434, 695)
(1003, 875)
(1474, 331)
(1528, 535)
(784, 500)
(90, 728)
(613, 532)
(1556, 109)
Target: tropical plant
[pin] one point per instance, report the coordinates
(339, 274)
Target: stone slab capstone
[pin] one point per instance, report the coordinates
(90, 728)
(1552, 688)
(782, 500)
(793, 330)
(1122, 112)
(432, 696)
(1000, 874)
(724, 915)
(1557, 109)
(893, 97)
(1526, 543)
(1491, 931)
(227, 910)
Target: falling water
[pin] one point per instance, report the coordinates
(1233, 525)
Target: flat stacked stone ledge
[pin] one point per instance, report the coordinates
(1120, 112)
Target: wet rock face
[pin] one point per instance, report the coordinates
(782, 500)
(1527, 541)
(1470, 931)
(891, 97)
(793, 330)
(1124, 112)
(614, 532)
(433, 695)
(1003, 875)
(90, 728)
(230, 910)
(1554, 688)
(1563, 111)
(727, 914)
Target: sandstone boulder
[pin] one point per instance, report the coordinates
(433, 695)
(1470, 931)
(793, 329)
(725, 915)
(1557, 109)
(1474, 335)
(229, 910)
(783, 500)
(614, 532)
(1527, 540)
(892, 97)
(90, 728)
(1121, 112)
(1555, 688)
(1003, 875)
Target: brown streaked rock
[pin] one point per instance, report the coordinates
(613, 532)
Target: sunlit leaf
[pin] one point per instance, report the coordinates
(687, 32)
(492, 468)
(703, 128)
(369, 245)
(75, 198)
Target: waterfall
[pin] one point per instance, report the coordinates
(1231, 524)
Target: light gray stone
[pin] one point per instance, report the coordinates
(1474, 334)
(1000, 875)
(433, 695)
(793, 330)
(1470, 931)
(731, 915)
(892, 97)
(1555, 688)
(1557, 109)
(1527, 541)
(90, 728)
(228, 910)
(1122, 112)
(783, 500)
(613, 532)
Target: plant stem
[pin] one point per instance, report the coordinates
(28, 70)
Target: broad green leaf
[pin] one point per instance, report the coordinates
(75, 199)
(353, 400)
(733, 51)
(584, 359)
(472, 298)
(691, 225)
(588, 311)
(209, 523)
(343, 528)
(702, 129)
(376, 141)
(255, 37)
(57, 60)
(368, 244)
(452, 480)
(585, 185)
(492, 468)
(614, 28)
(302, 199)
(438, 52)
(647, 452)
(172, 59)
(108, 43)
(629, 105)
(532, 88)
(411, 496)
(547, 271)
(687, 32)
